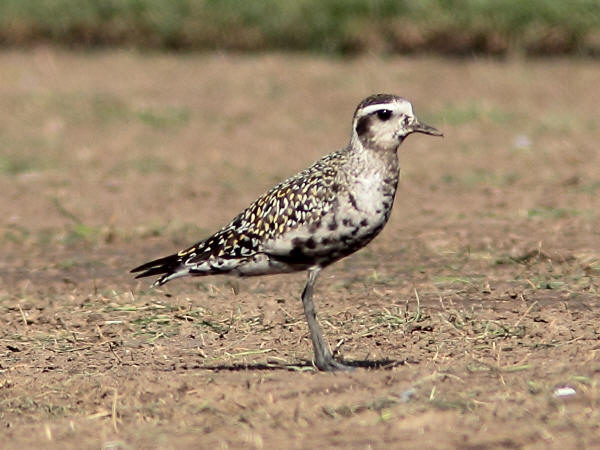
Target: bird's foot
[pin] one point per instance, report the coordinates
(328, 364)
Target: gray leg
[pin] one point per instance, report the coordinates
(323, 358)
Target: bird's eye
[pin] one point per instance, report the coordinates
(384, 114)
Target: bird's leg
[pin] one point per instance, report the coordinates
(323, 357)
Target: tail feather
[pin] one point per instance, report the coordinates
(167, 266)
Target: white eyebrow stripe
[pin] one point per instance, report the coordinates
(403, 107)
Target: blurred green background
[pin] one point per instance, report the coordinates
(496, 27)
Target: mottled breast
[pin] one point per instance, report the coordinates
(359, 212)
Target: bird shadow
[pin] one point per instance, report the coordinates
(304, 366)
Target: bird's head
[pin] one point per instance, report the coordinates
(382, 121)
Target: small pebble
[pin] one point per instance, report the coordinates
(564, 391)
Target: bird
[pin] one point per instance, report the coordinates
(314, 218)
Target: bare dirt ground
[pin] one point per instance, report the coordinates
(473, 318)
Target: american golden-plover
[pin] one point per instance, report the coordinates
(312, 219)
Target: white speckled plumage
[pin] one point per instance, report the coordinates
(314, 218)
